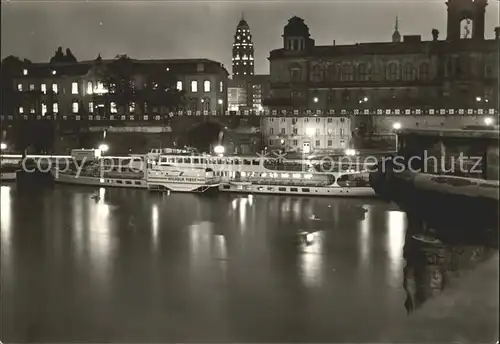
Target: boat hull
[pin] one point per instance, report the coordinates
(298, 190)
(180, 187)
(8, 176)
(102, 182)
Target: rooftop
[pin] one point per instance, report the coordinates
(404, 47)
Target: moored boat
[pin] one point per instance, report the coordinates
(88, 167)
(245, 174)
(167, 177)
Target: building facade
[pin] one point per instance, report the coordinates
(406, 72)
(80, 88)
(308, 134)
(248, 93)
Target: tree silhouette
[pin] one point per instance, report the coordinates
(160, 90)
(118, 78)
(157, 91)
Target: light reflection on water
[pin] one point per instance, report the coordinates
(364, 239)
(100, 243)
(312, 259)
(395, 239)
(154, 225)
(241, 252)
(6, 230)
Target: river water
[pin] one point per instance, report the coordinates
(96, 265)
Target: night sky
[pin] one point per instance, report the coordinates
(192, 29)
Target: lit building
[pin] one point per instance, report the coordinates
(404, 73)
(237, 94)
(307, 134)
(410, 73)
(248, 93)
(79, 88)
(243, 51)
(246, 90)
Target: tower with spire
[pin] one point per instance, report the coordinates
(396, 36)
(243, 51)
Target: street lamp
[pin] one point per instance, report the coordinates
(350, 152)
(315, 99)
(3, 146)
(488, 121)
(103, 147)
(396, 126)
(478, 99)
(219, 150)
(363, 100)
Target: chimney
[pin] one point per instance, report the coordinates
(333, 42)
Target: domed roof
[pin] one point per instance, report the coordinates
(296, 27)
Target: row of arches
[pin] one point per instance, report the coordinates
(363, 72)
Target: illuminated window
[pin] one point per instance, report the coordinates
(131, 107)
(32, 87)
(74, 88)
(75, 107)
(21, 109)
(44, 109)
(32, 110)
(25, 72)
(54, 88)
(43, 88)
(19, 87)
(91, 107)
(90, 89)
(55, 108)
(179, 85)
(113, 107)
(206, 86)
(100, 89)
(194, 86)
(221, 86)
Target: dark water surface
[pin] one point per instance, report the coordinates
(135, 266)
